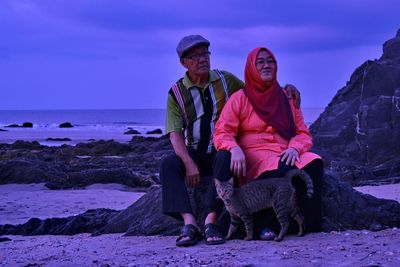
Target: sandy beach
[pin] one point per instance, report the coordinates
(18, 202)
(350, 248)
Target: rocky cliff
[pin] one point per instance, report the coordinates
(358, 134)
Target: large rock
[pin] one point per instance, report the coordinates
(90, 221)
(144, 217)
(358, 134)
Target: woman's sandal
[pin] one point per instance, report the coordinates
(210, 231)
(267, 234)
(192, 232)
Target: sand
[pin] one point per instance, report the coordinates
(388, 191)
(349, 248)
(20, 202)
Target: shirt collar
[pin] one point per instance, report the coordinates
(189, 84)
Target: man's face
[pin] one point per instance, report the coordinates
(197, 60)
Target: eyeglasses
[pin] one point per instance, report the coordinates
(261, 62)
(196, 57)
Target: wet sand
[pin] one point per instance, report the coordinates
(20, 202)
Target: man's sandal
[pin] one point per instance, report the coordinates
(192, 233)
(267, 234)
(210, 231)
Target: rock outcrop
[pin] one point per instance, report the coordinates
(135, 164)
(358, 134)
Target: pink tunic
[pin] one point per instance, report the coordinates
(239, 125)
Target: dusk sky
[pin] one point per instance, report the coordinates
(108, 54)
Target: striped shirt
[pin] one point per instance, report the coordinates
(193, 111)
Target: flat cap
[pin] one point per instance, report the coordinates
(189, 42)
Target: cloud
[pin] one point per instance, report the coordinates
(94, 47)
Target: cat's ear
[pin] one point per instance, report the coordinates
(217, 182)
(231, 181)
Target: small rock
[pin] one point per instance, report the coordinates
(66, 125)
(13, 126)
(27, 125)
(132, 131)
(156, 131)
(58, 139)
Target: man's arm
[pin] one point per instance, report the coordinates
(174, 125)
(293, 92)
(192, 171)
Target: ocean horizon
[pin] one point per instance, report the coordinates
(90, 124)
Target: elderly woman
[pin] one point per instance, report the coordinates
(261, 134)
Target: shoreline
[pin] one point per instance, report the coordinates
(76, 134)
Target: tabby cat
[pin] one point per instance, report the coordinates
(260, 194)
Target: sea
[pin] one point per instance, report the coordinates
(90, 125)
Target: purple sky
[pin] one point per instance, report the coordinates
(101, 54)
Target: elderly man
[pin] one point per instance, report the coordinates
(194, 105)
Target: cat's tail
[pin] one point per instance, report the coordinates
(303, 176)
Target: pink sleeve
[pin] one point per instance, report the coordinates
(302, 142)
(227, 125)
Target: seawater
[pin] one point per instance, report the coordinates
(90, 124)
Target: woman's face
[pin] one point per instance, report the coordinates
(266, 66)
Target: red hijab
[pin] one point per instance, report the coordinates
(268, 101)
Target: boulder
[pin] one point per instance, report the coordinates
(12, 126)
(156, 131)
(65, 125)
(27, 125)
(132, 131)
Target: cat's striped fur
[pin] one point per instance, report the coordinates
(277, 193)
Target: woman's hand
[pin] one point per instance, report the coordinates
(290, 155)
(238, 162)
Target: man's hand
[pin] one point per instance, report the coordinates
(238, 162)
(290, 155)
(293, 92)
(192, 178)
